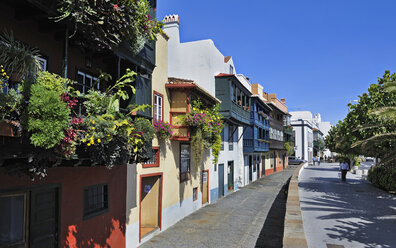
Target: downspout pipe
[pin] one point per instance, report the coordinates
(66, 52)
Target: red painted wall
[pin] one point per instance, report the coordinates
(105, 230)
(269, 171)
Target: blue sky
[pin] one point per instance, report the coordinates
(318, 54)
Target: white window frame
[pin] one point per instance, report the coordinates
(43, 61)
(91, 80)
(158, 106)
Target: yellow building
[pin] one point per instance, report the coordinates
(168, 187)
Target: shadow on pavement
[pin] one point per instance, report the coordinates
(310, 167)
(271, 235)
(363, 213)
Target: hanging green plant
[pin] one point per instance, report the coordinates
(197, 147)
(18, 59)
(208, 121)
(108, 23)
(48, 117)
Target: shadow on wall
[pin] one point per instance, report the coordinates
(194, 173)
(112, 235)
(362, 212)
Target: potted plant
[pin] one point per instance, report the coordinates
(17, 58)
(163, 129)
(10, 108)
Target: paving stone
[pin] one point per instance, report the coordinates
(236, 220)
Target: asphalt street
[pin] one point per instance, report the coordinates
(351, 214)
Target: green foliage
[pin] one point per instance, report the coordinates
(383, 177)
(197, 146)
(144, 126)
(52, 82)
(216, 147)
(106, 24)
(98, 103)
(289, 146)
(48, 117)
(18, 58)
(366, 130)
(10, 105)
(115, 136)
(208, 121)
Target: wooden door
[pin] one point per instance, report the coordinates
(205, 186)
(44, 218)
(150, 204)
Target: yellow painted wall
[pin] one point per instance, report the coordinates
(173, 190)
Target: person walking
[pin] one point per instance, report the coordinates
(344, 167)
(318, 160)
(313, 160)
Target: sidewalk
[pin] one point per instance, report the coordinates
(233, 221)
(351, 214)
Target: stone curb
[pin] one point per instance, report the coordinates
(294, 236)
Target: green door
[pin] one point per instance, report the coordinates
(221, 179)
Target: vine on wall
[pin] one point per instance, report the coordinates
(206, 125)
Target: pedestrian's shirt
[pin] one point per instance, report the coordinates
(344, 166)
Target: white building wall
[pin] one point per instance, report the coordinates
(303, 139)
(201, 61)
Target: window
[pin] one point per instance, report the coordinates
(95, 200)
(195, 194)
(86, 82)
(158, 106)
(43, 63)
(230, 137)
(12, 220)
(154, 161)
(184, 162)
(231, 69)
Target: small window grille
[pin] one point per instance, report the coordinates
(95, 199)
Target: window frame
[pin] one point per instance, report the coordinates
(157, 159)
(43, 59)
(161, 96)
(230, 137)
(99, 211)
(84, 85)
(185, 176)
(222, 136)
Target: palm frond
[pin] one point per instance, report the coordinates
(376, 138)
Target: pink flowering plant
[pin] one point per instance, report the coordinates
(164, 130)
(205, 121)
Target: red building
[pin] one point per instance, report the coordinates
(77, 204)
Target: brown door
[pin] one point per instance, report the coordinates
(205, 186)
(44, 212)
(150, 204)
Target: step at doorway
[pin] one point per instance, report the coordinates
(150, 203)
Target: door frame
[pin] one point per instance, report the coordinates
(160, 174)
(207, 188)
(232, 174)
